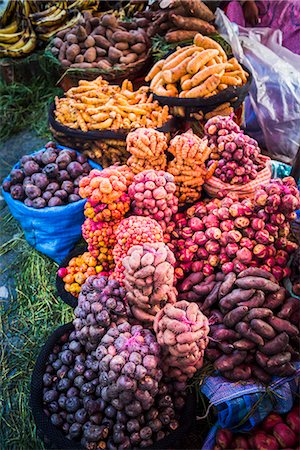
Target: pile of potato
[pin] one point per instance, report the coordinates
(108, 152)
(198, 70)
(100, 42)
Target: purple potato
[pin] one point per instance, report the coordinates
(47, 195)
(53, 187)
(31, 167)
(63, 160)
(28, 202)
(51, 170)
(73, 198)
(39, 203)
(38, 157)
(17, 192)
(32, 191)
(76, 190)
(26, 181)
(62, 176)
(86, 167)
(40, 180)
(26, 158)
(75, 430)
(51, 144)
(49, 156)
(74, 169)
(81, 158)
(63, 195)
(77, 180)
(68, 186)
(6, 185)
(16, 176)
(55, 201)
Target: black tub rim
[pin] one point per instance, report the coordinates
(56, 438)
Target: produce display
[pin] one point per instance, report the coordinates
(198, 70)
(276, 431)
(238, 156)
(233, 235)
(182, 331)
(108, 152)
(188, 166)
(100, 42)
(149, 279)
(25, 24)
(147, 148)
(49, 177)
(152, 194)
(180, 20)
(295, 273)
(96, 105)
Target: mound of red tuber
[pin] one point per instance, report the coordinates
(148, 279)
(181, 330)
(153, 194)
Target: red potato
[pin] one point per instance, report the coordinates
(284, 435)
(203, 289)
(279, 359)
(291, 306)
(260, 374)
(263, 441)
(244, 344)
(276, 299)
(256, 272)
(212, 296)
(239, 373)
(244, 329)
(259, 313)
(262, 328)
(235, 315)
(285, 370)
(252, 282)
(270, 421)
(283, 325)
(224, 438)
(222, 334)
(191, 280)
(293, 420)
(255, 301)
(227, 284)
(225, 362)
(235, 296)
(276, 345)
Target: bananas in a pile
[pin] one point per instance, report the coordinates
(25, 23)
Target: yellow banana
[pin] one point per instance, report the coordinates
(11, 28)
(68, 24)
(8, 12)
(41, 14)
(55, 19)
(10, 38)
(23, 47)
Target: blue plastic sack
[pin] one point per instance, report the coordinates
(51, 230)
(241, 407)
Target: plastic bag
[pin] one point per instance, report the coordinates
(274, 97)
(51, 230)
(243, 406)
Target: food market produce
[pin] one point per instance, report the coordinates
(233, 235)
(147, 148)
(249, 336)
(190, 153)
(100, 42)
(49, 177)
(113, 212)
(180, 20)
(238, 155)
(111, 399)
(100, 302)
(182, 331)
(198, 70)
(276, 431)
(153, 194)
(96, 105)
(149, 279)
(295, 273)
(103, 186)
(101, 238)
(108, 152)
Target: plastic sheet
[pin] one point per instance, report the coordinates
(51, 230)
(273, 108)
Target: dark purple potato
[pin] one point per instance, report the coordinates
(96, 418)
(26, 158)
(6, 185)
(71, 374)
(32, 191)
(73, 198)
(55, 201)
(74, 169)
(67, 357)
(26, 181)
(63, 195)
(70, 418)
(17, 192)
(65, 427)
(86, 168)
(40, 180)
(63, 385)
(50, 396)
(51, 170)
(31, 167)
(39, 203)
(81, 416)
(68, 186)
(57, 364)
(56, 420)
(63, 160)
(75, 430)
(76, 190)
(53, 407)
(79, 381)
(49, 156)
(51, 144)
(47, 379)
(16, 176)
(46, 196)
(72, 392)
(81, 158)
(52, 187)
(88, 389)
(38, 157)
(77, 180)
(62, 401)
(72, 404)
(62, 371)
(94, 433)
(62, 176)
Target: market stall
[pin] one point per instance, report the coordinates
(172, 235)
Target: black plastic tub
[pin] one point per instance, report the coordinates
(54, 438)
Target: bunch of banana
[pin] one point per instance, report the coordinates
(24, 41)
